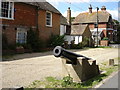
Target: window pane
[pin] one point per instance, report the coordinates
(21, 37)
(48, 18)
(10, 14)
(7, 9)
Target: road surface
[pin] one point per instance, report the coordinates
(25, 68)
(112, 82)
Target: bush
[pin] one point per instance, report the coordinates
(77, 46)
(105, 38)
(67, 81)
(33, 40)
(84, 43)
(56, 40)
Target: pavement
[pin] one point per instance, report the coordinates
(112, 82)
(114, 45)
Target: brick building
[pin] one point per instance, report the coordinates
(19, 17)
(105, 23)
(76, 33)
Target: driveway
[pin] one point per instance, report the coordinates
(25, 68)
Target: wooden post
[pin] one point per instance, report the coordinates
(111, 62)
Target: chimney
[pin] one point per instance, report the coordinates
(69, 16)
(103, 8)
(90, 9)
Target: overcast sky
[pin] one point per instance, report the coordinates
(78, 6)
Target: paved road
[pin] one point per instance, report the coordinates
(113, 82)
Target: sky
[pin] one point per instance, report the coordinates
(79, 6)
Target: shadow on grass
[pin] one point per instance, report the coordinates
(93, 81)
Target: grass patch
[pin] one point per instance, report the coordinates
(103, 47)
(67, 82)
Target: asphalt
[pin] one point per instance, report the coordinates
(112, 83)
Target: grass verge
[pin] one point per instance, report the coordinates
(67, 82)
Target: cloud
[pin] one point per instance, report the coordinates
(73, 13)
(114, 13)
(54, 3)
(105, 0)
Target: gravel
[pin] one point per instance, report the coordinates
(25, 68)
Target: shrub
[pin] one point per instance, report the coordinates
(56, 40)
(105, 38)
(67, 81)
(77, 46)
(85, 42)
(33, 40)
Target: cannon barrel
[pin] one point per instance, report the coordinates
(61, 52)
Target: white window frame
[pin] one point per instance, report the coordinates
(50, 19)
(21, 30)
(12, 13)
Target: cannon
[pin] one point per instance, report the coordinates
(70, 56)
(79, 67)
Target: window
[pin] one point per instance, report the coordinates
(7, 10)
(21, 36)
(48, 18)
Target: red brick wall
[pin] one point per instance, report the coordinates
(91, 26)
(102, 26)
(45, 31)
(24, 15)
(10, 34)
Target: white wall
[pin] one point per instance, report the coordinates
(77, 39)
(69, 38)
(62, 29)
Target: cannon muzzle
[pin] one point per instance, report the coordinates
(61, 52)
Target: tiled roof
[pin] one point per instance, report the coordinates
(78, 29)
(103, 16)
(42, 5)
(63, 20)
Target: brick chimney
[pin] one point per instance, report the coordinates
(69, 16)
(103, 8)
(90, 9)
